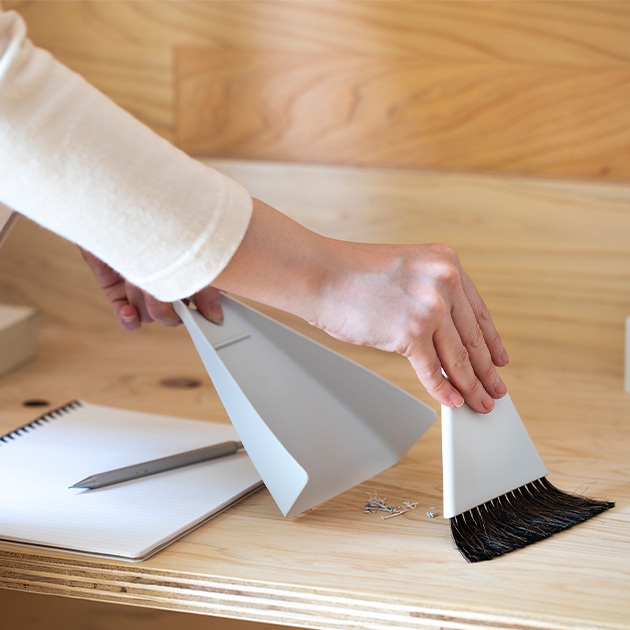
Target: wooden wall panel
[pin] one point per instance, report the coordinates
(515, 87)
(402, 112)
(566, 32)
(534, 88)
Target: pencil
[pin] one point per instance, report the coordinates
(162, 464)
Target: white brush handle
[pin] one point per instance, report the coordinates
(485, 455)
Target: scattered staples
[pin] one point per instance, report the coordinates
(374, 504)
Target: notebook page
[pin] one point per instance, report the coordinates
(128, 519)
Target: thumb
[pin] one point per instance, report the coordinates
(208, 302)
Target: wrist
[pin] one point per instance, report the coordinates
(281, 263)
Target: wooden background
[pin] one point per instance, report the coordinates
(514, 87)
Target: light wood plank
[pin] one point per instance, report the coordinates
(406, 113)
(590, 33)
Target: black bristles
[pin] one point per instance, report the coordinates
(519, 518)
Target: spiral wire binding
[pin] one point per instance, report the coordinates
(38, 422)
(519, 518)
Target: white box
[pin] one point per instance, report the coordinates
(18, 336)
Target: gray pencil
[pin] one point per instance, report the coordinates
(162, 464)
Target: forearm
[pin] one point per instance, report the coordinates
(281, 263)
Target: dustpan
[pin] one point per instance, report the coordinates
(314, 423)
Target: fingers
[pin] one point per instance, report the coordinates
(461, 364)
(466, 340)
(150, 309)
(133, 307)
(490, 334)
(127, 316)
(115, 289)
(136, 297)
(428, 368)
(456, 354)
(155, 311)
(470, 361)
(448, 355)
(208, 303)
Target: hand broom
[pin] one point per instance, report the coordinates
(496, 493)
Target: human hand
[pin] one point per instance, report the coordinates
(415, 300)
(133, 307)
(418, 301)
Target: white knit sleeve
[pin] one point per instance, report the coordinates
(76, 163)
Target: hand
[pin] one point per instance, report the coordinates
(412, 299)
(418, 301)
(133, 307)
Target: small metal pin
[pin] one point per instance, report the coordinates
(381, 505)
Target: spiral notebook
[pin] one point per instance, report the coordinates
(128, 521)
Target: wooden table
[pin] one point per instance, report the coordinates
(552, 260)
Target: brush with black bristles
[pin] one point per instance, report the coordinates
(496, 494)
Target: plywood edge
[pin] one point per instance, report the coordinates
(300, 606)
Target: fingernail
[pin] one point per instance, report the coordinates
(456, 400)
(505, 359)
(500, 389)
(217, 314)
(129, 319)
(130, 322)
(487, 403)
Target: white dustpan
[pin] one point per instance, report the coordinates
(485, 456)
(313, 423)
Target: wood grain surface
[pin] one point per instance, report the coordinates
(530, 87)
(551, 260)
(345, 109)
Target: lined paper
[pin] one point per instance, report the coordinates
(129, 520)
